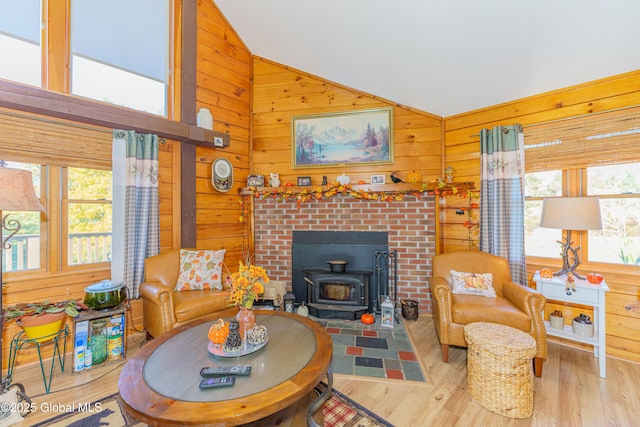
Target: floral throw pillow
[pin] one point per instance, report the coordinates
(200, 270)
(473, 284)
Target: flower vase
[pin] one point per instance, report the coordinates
(246, 317)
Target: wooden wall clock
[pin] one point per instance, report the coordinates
(222, 175)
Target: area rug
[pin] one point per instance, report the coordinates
(105, 412)
(337, 411)
(373, 350)
(340, 411)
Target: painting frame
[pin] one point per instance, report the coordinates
(358, 137)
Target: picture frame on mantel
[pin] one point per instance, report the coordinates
(359, 137)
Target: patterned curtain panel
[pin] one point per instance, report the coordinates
(502, 197)
(136, 214)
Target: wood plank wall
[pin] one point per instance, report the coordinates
(462, 152)
(280, 92)
(224, 86)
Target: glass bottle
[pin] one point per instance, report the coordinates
(98, 341)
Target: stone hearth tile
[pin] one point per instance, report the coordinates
(380, 353)
(342, 364)
(407, 355)
(412, 371)
(392, 364)
(372, 342)
(341, 339)
(333, 330)
(370, 362)
(370, 333)
(394, 374)
(369, 372)
(356, 351)
(400, 345)
(352, 332)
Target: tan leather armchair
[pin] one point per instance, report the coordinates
(515, 305)
(165, 309)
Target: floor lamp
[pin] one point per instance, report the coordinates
(16, 194)
(570, 213)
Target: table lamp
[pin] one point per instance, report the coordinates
(16, 194)
(570, 213)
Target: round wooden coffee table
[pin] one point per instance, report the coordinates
(159, 384)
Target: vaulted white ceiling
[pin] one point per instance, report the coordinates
(444, 56)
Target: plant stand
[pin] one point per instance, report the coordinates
(20, 340)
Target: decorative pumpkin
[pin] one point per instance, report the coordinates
(474, 282)
(546, 273)
(594, 278)
(414, 178)
(218, 332)
(367, 318)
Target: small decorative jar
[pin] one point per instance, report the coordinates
(583, 326)
(556, 320)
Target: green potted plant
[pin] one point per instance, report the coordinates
(40, 320)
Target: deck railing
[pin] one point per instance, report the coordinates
(83, 248)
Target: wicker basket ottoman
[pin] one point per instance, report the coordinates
(500, 373)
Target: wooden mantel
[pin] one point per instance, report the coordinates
(431, 188)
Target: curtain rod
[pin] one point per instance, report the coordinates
(574, 117)
(63, 123)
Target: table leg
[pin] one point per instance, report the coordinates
(321, 399)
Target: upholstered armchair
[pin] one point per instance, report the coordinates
(513, 305)
(164, 308)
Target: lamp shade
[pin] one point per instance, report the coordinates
(17, 192)
(571, 213)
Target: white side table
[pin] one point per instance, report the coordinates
(585, 294)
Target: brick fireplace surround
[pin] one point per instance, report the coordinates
(410, 225)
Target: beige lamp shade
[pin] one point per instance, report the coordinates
(17, 192)
(571, 213)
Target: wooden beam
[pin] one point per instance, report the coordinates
(31, 99)
(188, 114)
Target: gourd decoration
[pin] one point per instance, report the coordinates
(343, 179)
(257, 335)
(303, 310)
(414, 178)
(367, 318)
(218, 332)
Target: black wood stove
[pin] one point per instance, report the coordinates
(338, 295)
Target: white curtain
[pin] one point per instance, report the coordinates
(136, 214)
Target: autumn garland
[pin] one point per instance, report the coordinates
(283, 194)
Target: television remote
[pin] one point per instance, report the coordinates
(217, 382)
(225, 370)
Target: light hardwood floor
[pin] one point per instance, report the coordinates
(570, 392)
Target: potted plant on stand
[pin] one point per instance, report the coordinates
(40, 320)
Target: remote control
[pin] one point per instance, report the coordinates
(225, 370)
(217, 382)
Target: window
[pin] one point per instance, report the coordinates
(20, 41)
(25, 251)
(88, 209)
(120, 51)
(85, 232)
(540, 241)
(618, 187)
(589, 156)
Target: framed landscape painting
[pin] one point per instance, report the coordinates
(356, 137)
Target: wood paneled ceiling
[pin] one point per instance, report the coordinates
(444, 56)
